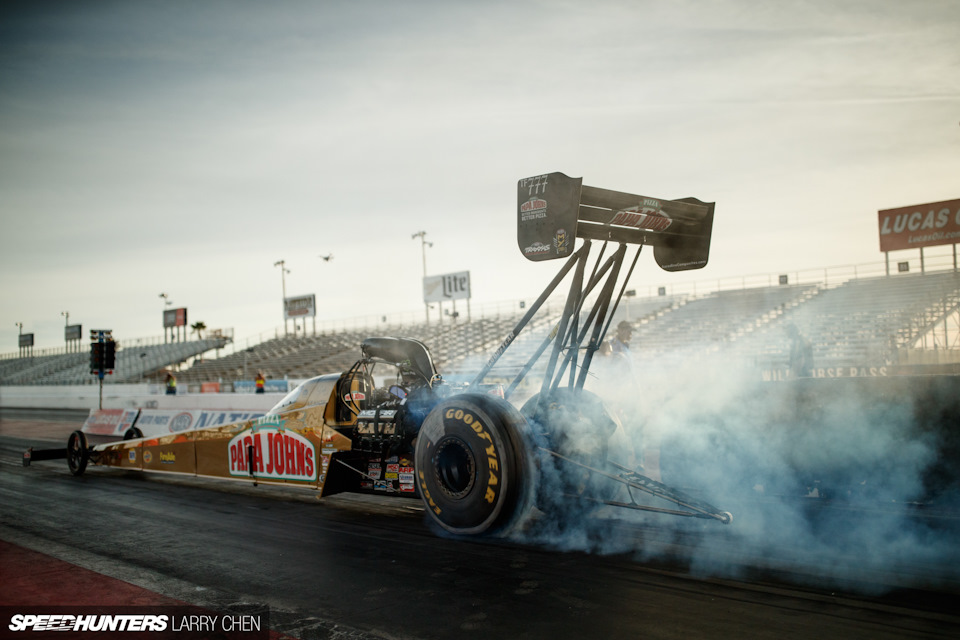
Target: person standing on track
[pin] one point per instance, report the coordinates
(260, 381)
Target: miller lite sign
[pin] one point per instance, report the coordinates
(451, 286)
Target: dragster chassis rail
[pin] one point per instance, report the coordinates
(633, 480)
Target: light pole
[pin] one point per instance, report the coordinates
(66, 323)
(19, 345)
(423, 245)
(283, 283)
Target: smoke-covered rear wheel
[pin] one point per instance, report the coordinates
(579, 427)
(473, 465)
(77, 453)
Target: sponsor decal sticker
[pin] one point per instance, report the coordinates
(560, 241)
(537, 248)
(277, 453)
(533, 209)
(648, 215)
(168, 457)
(147, 457)
(132, 455)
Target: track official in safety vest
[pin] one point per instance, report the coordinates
(171, 383)
(260, 381)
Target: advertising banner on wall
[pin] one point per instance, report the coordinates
(110, 422)
(300, 307)
(450, 286)
(269, 386)
(921, 225)
(158, 422)
(26, 339)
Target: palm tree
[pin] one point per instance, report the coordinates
(198, 328)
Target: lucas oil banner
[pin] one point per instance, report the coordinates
(920, 225)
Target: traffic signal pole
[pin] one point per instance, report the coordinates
(102, 356)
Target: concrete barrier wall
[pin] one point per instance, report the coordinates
(128, 396)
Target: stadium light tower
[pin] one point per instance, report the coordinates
(66, 323)
(423, 245)
(283, 283)
(166, 303)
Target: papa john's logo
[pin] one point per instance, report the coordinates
(276, 453)
(646, 215)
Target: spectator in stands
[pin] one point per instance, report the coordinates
(171, 383)
(260, 381)
(621, 343)
(801, 353)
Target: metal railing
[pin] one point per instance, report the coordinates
(832, 276)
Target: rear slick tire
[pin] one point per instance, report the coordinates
(473, 465)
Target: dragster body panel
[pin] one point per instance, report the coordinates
(291, 447)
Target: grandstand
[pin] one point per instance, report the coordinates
(868, 322)
(306, 356)
(135, 363)
(863, 322)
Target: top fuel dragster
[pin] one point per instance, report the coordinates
(476, 461)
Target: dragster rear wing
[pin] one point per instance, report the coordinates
(554, 209)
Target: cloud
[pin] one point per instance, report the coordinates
(231, 125)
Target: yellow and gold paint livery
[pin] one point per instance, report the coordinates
(291, 446)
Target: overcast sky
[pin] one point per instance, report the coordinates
(184, 148)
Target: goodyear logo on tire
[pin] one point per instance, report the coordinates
(493, 462)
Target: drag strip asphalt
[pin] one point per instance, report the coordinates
(354, 566)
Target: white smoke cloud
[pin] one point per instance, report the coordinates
(821, 483)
